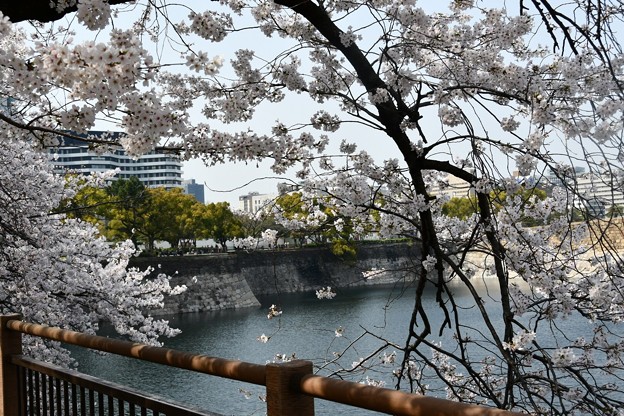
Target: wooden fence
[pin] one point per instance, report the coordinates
(29, 387)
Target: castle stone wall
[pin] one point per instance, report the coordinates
(233, 280)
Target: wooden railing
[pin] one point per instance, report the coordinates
(28, 387)
(46, 389)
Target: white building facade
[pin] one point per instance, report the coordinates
(607, 190)
(596, 192)
(154, 169)
(254, 202)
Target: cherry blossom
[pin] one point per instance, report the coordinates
(274, 311)
(325, 293)
(470, 92)
(59, 271)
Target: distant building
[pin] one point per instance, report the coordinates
(5, 105)
(254, 202)
(284, 188)
(600, 192)
(560, 179)
(454, 187)
(154, 169)
(195, 189)
(597, 192)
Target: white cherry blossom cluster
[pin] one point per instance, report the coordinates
(379, 96)
(274, 311)
(339, 332)
(374, 382)
(283, 358)
(94, 14)
(216, 147)
(563, 357)
(322, 120)
(200, 62)
(270, 237)
(526, 164)
(210, 25)
(521, 340)
(59, 271)
(451, 116)
(430, 262)
(373, 273)
(247, 243)
(5, 25)
(81, 69)
(388, 358)
(509, 124)
(348, 38)
(328, 76)
(146, 121)
(325, 293)
(288, 74)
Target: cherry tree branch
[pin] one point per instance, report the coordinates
(39, 10)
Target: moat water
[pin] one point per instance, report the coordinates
(306, 328)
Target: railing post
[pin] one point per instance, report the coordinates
(10, 344)
(282, 385)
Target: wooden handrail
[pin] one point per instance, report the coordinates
(390, 401)
(232, 369)
(292, 380)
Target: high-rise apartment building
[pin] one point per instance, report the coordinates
(154, 169)
(195, 189)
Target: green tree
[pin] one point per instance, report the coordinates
(130, 202)
(307, 220)
(616, 210)
(90, 203)
(168, 217)
(464, 207)
(291, 208)
(128, 210)
(317, 221)
(218, 222)
(460, 207)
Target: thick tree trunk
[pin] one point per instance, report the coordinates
(40, 10)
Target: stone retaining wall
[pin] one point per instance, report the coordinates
(610, 232)
(233, 280)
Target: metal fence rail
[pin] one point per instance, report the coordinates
(290, 387)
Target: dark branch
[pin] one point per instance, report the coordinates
(40, 10)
